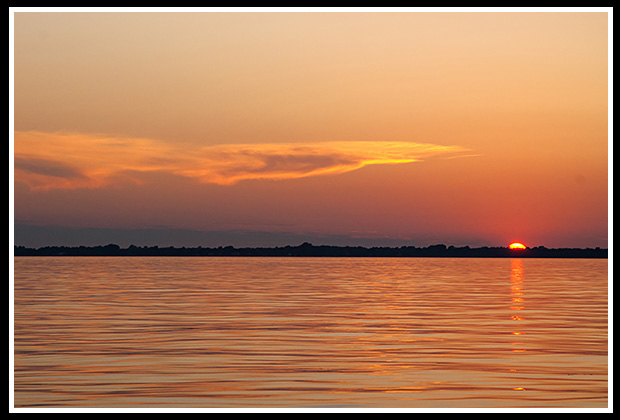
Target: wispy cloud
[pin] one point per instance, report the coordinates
(51, 160)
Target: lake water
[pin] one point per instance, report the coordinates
(310, 332)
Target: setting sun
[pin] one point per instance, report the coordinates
(516, 245)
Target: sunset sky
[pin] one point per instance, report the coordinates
(274, 128)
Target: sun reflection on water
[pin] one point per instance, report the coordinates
(517, 304)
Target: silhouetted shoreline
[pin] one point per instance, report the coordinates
(308, 250)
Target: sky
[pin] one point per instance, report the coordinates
(271, 128)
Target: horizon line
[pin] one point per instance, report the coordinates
(305, 244)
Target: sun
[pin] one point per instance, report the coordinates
(516, 245)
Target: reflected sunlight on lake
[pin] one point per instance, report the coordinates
(310, 332)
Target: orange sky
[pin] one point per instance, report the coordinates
(456, 128)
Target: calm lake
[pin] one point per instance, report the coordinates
(310, 332)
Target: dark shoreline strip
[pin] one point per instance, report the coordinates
(308, 250)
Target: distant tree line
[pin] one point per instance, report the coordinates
(308, 250)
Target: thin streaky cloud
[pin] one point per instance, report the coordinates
(67, 161)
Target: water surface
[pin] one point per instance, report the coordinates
(310, 332)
